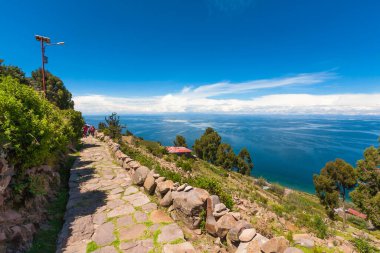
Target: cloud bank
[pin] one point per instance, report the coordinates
(203, 99)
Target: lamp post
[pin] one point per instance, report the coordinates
(44, 40)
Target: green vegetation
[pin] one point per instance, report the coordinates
(209, 148)
(46, 239)
(91, 246)
(180, 141)
(335, 179)
(367, 195)
(112, 127)
(33, 132)
(363, 246)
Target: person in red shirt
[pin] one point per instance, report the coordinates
(92, 130)
(85, 130)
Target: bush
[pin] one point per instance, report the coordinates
(362, 224)
(261, 182)
(277, 190)
(320, 228)
(363, 246)
(32, 131)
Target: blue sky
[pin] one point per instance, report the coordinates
(160, 56)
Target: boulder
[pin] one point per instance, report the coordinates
(219, 207)
(182, 187)
(134, 165)
(164, 187)
(150, 184)
(224, 224)
(160, 179)
(167, 200)
(140, 175)
(210, 226)
(304, 240)
(253, 247)
(260, 239)
(235, 231)
(247, 235)
(126, 163)
(189, 204)
(276, 244)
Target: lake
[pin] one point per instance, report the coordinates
(285, 149)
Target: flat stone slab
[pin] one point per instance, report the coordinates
(99, 218)
(137, 199)
(131, 233)
(125, 221)
(158, 216)
(121, 210)
(170, 233)
(130, 190)
(104, 234)
(149, 207)
(185, 247)
(140, 217)
(143, 246)
(106, 249)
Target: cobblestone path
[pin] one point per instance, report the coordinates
(106, 214)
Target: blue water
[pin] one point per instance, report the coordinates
(285, 149)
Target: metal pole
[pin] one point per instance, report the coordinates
(43, 67)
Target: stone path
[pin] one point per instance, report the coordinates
(106, 214)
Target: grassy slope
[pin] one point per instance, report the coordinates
(300, 209)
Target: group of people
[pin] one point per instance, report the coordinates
(87, 130)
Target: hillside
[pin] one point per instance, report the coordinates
(271, 208)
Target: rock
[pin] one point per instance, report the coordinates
(149, 207)
(210, 226)
(182, 187)
(133, 232)
(293, 250)
(121, 210)
(140, 175)
(198, 231)
(150, 184)
(143, 246)
(247, 235)
(220, 207)
(126, 163)
(217, 241)
(104, 234)
(253, 247)
(125, 221)
(224, 224)
(260, 239)
(137, 199)
(99, 218)
(170, 233)
(218, 215)
(158, 216)
(276, 244)
(167, 200)
(106, 249)
(140, 217)
(130, 190)
(133, 165)
(304, 240)
(156, 175)
(234, 233)
(242, 248)
(185, 247)
(188, 188)
(160, 179)
(214, 200)
(236, 215)
(189, 204)
(164, 187)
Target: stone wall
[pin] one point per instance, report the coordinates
(19, 221)
(186, 203)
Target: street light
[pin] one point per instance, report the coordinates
(44, 40)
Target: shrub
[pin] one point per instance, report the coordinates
(37, 185)
(320, 228)
(277, 190)
(362, 224)
(261, 182)
(363, 246)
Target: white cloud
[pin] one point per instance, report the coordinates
(201, 99)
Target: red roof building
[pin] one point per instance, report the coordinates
(356, 213)
(178, 150)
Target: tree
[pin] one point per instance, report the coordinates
(113, 127)
(180, 141)
(56, 91)
(14, 72)
(225, 156)
(206, 147)
(367, 195)
(244, 162)
(335, 179)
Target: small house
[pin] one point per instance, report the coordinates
(179, 151)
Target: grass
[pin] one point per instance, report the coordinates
(46, 239)
(91, 246)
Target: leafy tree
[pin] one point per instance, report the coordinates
(56, 91)
(336, 178)
(14, 72)
(180, 141)
(367, 195)
(113, 127)
(225, 156)
(206, 147)
(244, 162)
